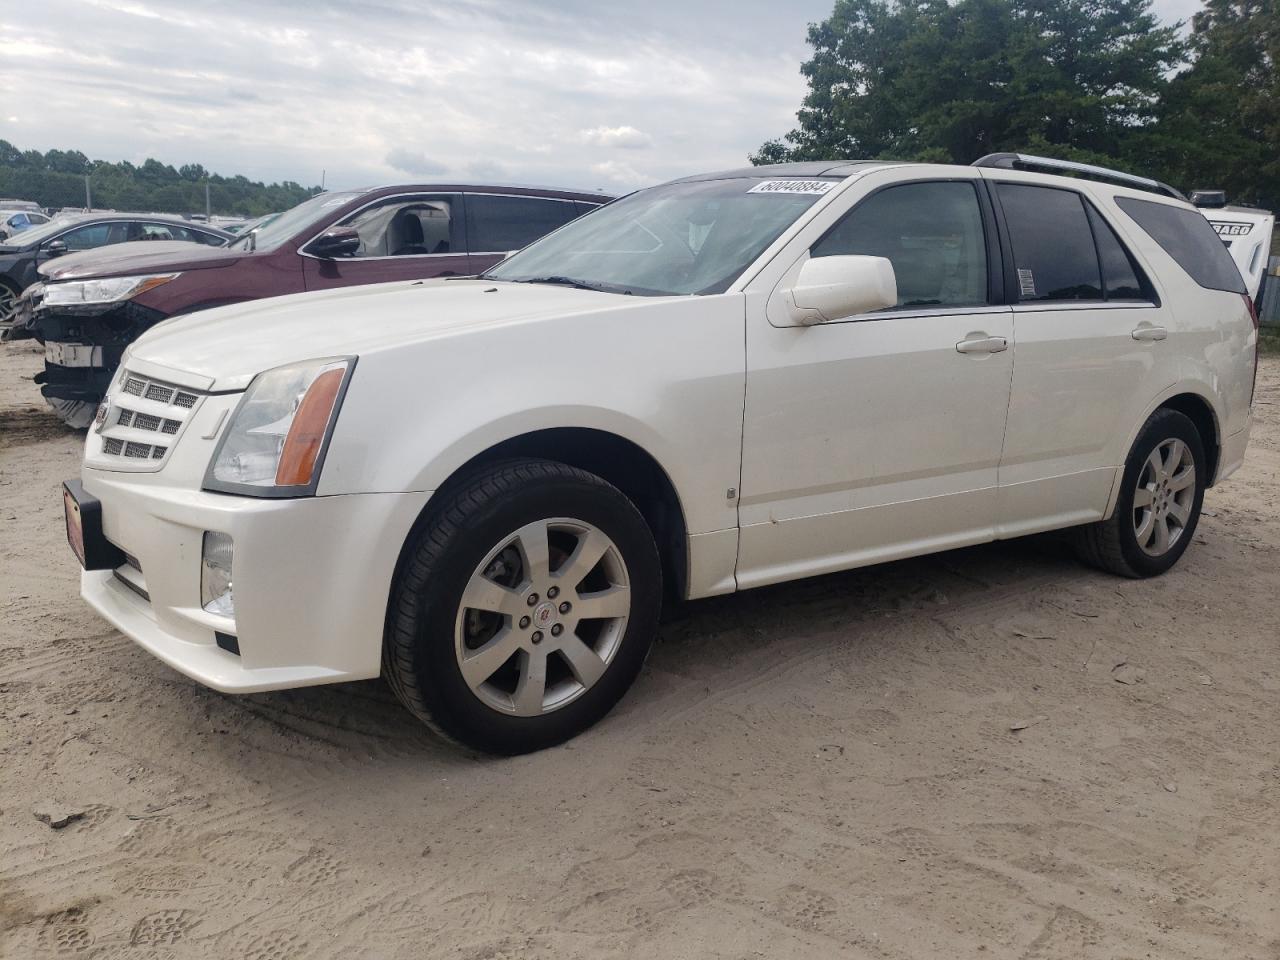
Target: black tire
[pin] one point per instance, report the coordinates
(419, 658)
(1112, 544)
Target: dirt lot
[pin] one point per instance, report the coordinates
(816, 770)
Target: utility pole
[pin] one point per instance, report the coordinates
(88, 197)
(207, 209)
(322, 173)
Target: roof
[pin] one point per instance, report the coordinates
(811, 168)
(158, 217)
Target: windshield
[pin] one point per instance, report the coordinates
(290, 223)
(681, 238)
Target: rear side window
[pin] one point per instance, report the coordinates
(1185, 235)
(496, 224)
(1121, 277)
(1053, 249)
(932, 234)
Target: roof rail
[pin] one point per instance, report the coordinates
(1022, 161)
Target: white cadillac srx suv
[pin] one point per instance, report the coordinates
(482, 488)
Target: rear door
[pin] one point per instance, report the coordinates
(406, 237)
(1090, 338)
(500, 224)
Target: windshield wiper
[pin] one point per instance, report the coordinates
(562, 281)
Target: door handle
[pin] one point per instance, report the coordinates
(1149, 332)
(983, 345)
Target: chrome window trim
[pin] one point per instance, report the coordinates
(1046, 306)
(908, 313)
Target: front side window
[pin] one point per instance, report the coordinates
(405, 228)
(931, 232)
(306, 216)
(1053, 250)
(498, 224)
(692, 237)
(86, 238)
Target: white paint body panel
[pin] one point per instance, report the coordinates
(792, 450)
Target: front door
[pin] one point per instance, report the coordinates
(879, 436)
(401, 238)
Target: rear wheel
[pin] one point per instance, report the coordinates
(524, 608)
(1159, 504)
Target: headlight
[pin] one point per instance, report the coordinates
(110, 290)
(274, 445)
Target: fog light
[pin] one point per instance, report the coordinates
(215, 574)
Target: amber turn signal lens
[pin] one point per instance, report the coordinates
(306, 434)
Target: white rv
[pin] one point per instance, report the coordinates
(1245, 230)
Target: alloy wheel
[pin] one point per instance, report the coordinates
(1164, 497)
(542, 617)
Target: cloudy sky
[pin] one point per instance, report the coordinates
(586, 93)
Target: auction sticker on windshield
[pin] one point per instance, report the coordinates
(818, 187)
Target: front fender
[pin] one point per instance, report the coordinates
(669, 378)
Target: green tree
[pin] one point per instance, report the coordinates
(951, 81)
(1219, 123)
(56, 179)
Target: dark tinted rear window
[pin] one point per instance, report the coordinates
(1187, 237)
(1120, 275)
(496, 224)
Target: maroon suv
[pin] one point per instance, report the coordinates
(88, 309)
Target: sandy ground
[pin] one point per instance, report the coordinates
(816, 770)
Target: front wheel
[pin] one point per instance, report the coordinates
(1159, 504)
(524, 607)
(8, 300)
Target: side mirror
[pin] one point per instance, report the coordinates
(55, 248)
(335, 242)
(829, 288)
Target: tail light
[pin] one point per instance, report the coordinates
(1257, 343)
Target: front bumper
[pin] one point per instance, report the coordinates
(311, 580)
(84, 345)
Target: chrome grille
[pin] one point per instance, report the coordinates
(146, 410)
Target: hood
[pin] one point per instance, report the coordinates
(140, 256)
(230, 345)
